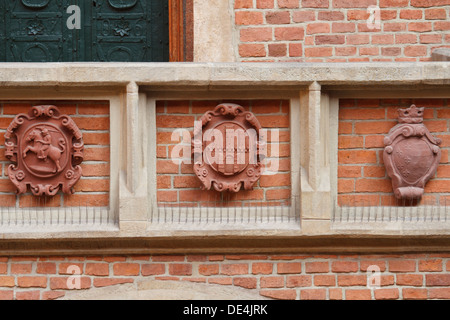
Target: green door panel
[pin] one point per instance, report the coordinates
(111, 30)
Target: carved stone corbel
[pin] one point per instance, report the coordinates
(46, 149)
(411, 154)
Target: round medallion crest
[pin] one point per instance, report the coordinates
(227, 149)
(46, 149)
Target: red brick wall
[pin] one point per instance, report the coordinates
(336, 30)
(334, 277)
(92, 118)
(363, 124)
(176, 182)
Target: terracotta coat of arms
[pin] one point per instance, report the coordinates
(46, 149)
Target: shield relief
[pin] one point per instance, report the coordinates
(46, 149)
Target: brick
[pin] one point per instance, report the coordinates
(62, 282)
(335, 294)
(411, 14)
(96, 154)
(298, 281)
(264, 4)
(245, 282)
(317, 267)
(234, 269)
(349, 171)
(7, 281)
(98, 123)
(393, 3)
(282, 294)
(3, 268)
(180, 269)
(272, 282)
(289, 267)
(439, 293)
(371, 51)
(433, 280)
(289, 33)
(429, 3)
(243, 4)
(126, 269)
(325, 280)
(105, 282)
(356, 39)
(329, 39)
(414, 294)
(435, 14)
(249, 18)
(402, 265)
(420, 26)
(70, 268)
(383, 39)
(255, 34)
(303, 16)
(346, 186)
(405, 38)
(365, 264)
(343, 27)
(345, 51)
(331, 15)
(353, 3)
(278, 17)
(358, 294)
(262, 268)
(313, 294)
(358, 15)
(167, 196)
(430, 265)
(151, 269)
(373, 127)
(374, 171)
(410, 280)
(93, 109)
(28, 295)
(361, 114)
(356, 156)
(97, 269)
(415, 51)
(430, 38)
(351, 280)
(441, 25)
(252, 50)
(386, 294)
(52, 295)
(277, 49)
(276, 180)
(437, 186)
(344, 266)
(394, 26)
(6, 294)
(278, 194)
(376, 141)
(32, 282)
(319, 52)
(21, 268)
(319, 27)
(174, 121)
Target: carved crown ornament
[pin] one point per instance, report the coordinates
(411, 154)
(46, 149)
(227, 149)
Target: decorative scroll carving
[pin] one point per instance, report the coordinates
(227, 150)
(46, 149)
(411, 154)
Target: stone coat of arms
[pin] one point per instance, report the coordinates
(46, 149)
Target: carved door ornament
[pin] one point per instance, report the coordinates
(46, 149)
(227, 149)
(411, 154)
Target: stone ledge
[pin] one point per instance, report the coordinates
(222, 74)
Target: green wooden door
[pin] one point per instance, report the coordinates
(107, 30)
